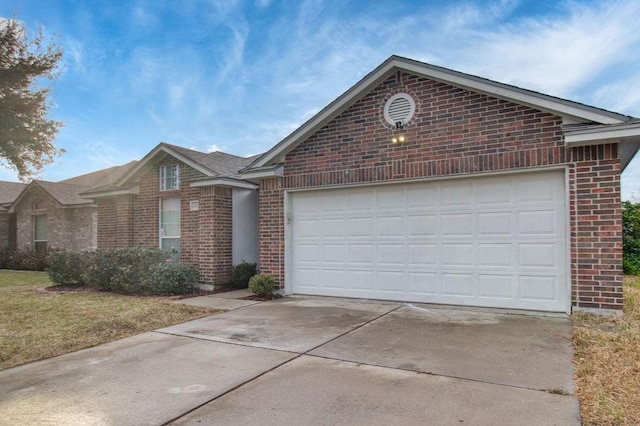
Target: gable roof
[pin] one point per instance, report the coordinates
(9, 192)
(65, 194)
(571, 112)
(213, 164)
(100, 177)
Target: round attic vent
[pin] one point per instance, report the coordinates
(399, 109)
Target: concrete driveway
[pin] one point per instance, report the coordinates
(311, 360)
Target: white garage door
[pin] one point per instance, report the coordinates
(492, 241)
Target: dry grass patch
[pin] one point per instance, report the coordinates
(36, 325)
(607, 359)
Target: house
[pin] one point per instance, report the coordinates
(44, 214)
(423, 184)
(190, 203)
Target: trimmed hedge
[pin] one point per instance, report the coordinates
(167, 279)
(133, 270)
(24, 260)
(262, 285)
(242, 273)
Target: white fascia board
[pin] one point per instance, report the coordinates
(167, 150)
(514, 94)
(571, 112)
(135, 190)
(602, 135)
(274, 171)
(224, 182)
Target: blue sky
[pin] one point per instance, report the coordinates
(238, 76)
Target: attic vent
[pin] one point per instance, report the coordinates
(399, 109)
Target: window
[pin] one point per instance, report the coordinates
(170, 226)
(40, 227)
(169, 177)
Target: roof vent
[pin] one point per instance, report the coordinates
(399, 109)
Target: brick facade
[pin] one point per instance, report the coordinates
(457, 132)
(205, 220)
(69, 228)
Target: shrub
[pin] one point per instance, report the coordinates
(123, 270)
(262, 284)
(631, 237)
(67, 267)
(24, 260)
(173, 278)
(242, 273)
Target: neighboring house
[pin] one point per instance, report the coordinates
(43, 214)
(189, 203)
(9, 191)
(423, 184)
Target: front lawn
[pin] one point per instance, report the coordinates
(607, 359)
(36, 324)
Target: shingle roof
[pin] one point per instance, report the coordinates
(220, 163)
(9, 191)
(100, 177)
(66, 194)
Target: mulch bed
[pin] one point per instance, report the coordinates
(262, 298)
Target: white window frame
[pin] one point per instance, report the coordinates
(161, 231)
(37, 217)
(170, 173)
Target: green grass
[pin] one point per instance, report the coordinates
(37, 324)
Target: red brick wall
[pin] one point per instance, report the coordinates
(205, 232)
(455, 132)
(115, 221)
(271, 229)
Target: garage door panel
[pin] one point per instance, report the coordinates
(359, 201)
(389, 198)
(391, 281)
(423, 282)
(496, 286)
(420, 225)
(424, 198)
(390, 226)
(457, 224)
(492, 255)
(421, 254)
(334, 253)
(458, 284)
(497, 241)
(540, 255)
(456, 194)
(538, 222)
(391, 255)
(493, 224)
(363, 279)
(493, 192)
(534, 287)
(460, 254)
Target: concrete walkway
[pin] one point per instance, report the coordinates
(311, 360)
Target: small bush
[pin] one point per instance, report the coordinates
(262, 284)
(173, 278)
(24, 260)
(67, 267)
(242, 273)
(123, 270)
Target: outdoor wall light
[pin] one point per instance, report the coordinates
(398, 139)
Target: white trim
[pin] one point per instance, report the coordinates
(224, 182)
(274, 171)
(288, 237)
(167, 150)
(533, 169)
(568, 110)
(134, 190)
(602, 135)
